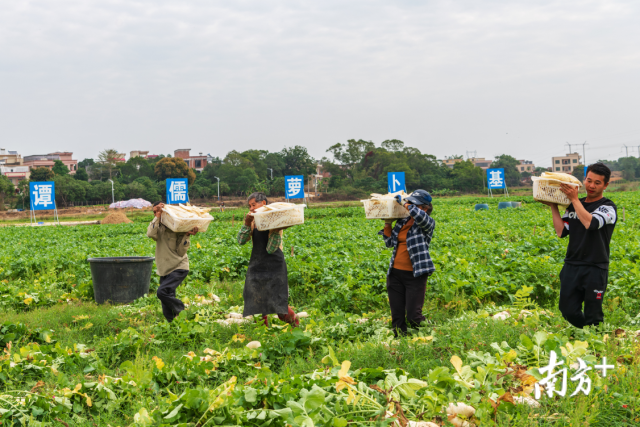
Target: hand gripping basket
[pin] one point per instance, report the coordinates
(278, 215)
(181, 223)
(548, 190)
(384, 209)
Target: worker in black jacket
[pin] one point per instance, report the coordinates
(589, 223)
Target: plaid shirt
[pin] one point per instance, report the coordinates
(274, 242)
(418, 241)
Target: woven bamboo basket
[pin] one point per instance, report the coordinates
(548, 190)
(182, 225)
(384, 209)
(279, 218)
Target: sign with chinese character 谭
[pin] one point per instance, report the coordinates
(294, 186)
(495, 178)
(43, 195)
(177, 191)
(396, 181)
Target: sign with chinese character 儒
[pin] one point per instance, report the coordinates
(396, 181)
(43, 195)
(177, 191)
(495, 178)
(294, 186)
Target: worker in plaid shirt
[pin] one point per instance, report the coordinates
(411, 263)
(266, 288)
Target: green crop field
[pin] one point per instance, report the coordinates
(67, 361)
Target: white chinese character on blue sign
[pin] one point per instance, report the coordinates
(495, 178)
(43, 195)
(177, 190)
(396, 181)
(294, 186)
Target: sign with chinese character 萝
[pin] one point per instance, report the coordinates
(43, 195)
(294, 186)
(396, 181)
(495, 178)
(177, 191)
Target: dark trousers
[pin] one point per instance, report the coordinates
(582, 284)
(171, 306)
(406, 298)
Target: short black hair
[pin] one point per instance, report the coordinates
(258, 196)
(157, 203)
(600, 169)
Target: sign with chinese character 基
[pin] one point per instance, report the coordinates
(396, 181)
(177, 191)
(495, 178)
(294, 186)
(43, 195)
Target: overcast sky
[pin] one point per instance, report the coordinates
(447, 77)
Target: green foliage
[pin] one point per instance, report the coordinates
(59, 168)
(173, 167)
(67, 360)
(41, 174)
(81, 175)
(511, 173)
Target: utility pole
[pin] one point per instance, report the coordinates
(113, 197)
(584, 156)
(627, 148)
(218, 187)
(567, 143)
(271, 172)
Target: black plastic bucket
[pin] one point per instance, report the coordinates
(120, 279)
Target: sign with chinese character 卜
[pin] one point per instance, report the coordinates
(43, 195)
(177, 191)
(396, 181)
(495, 178)
(294, 186)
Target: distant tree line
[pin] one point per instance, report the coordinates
(356, 168)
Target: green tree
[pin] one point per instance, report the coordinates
(392, 145)
(351, 153)
(110, 160)
(174, 167)
(150, 193)
(41, 174)
(578, 172)
(628, 165)
(467, 176)
(100, 191)
(134, 168)
(23, 192)
(81, 175)
(539, 171)
(7, 190)
(69, 190)
(511, 173)
(60, 168)
(297, 161)
(86, 162)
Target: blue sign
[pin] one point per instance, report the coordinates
(177, 191)
(396, 181)
(43, 195)
(495, 178)
(294, 186)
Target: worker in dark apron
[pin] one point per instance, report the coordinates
(266, 288)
